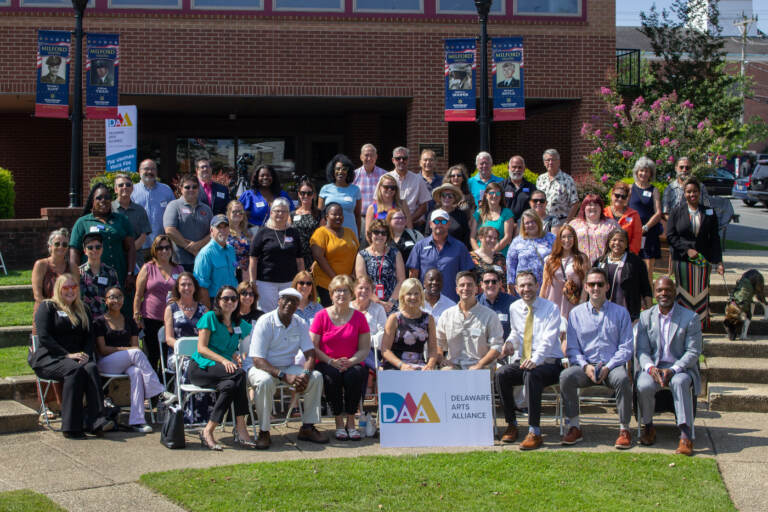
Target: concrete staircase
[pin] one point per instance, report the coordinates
(17, 335)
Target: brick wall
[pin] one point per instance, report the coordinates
(203, 55)
(25, 240)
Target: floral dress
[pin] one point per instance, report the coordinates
(242, 246)
(93, 287)
(593, 237)
(411, 336)
(306, 224)
(382, 270)
(498, 263)
(528, 254)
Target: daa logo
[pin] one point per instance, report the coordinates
(123, 120)
(396, 408)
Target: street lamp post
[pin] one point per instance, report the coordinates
(483, 7)
(76, 161)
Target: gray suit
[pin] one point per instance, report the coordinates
(685, 347)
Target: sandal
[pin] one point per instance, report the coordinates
(341, 434)
(354, 435)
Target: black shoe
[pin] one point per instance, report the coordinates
(215, 447)
(74, 434)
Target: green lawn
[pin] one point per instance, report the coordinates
(26, 500)
(16, 313)
(480, 481)
(744, 246)
(13, 362)
(16, 277)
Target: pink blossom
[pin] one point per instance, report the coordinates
(627, 154)
(598, 133)
(687, 104)
(638, 101)
(608, 136)
(648, 144)
(655, 105)
(604, 178)
(674, 142)
(701, 125)
(670, 159)
(585, 129)
(620, 107)
(659, 162)
(605, 91)
(665, 119)
(615, 125)
(663, 142)
(597, 151)
(645, 115)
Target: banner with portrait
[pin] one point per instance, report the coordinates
(460, 90)
(507, 69)
(102, 63)
(52, 98)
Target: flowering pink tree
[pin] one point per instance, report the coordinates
(662, 131)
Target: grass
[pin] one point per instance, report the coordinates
(13, 362)
(744, 246)
(26, 500)
(456, 481)
(16, 277)
(16, 313)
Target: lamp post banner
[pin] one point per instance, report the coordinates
(437, 408)
(508, 84)
(120, 140)
(460, 90)
(102, 64)
(53, 50)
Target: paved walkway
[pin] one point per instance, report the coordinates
(101, 474)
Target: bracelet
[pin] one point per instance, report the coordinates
(399, 365)
(307, 372)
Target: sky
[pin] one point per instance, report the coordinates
(628, 11)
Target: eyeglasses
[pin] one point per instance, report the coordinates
(70, 287)
(400, 158)
(596, 285)
(493, 193)
(94, 247)
(339, 291)
(124, 184)
(684, 167)
(490, 281)
(452, 176)
(247, 294)
(237, 212)
(189, 187)
(439, 221)
(620, 196)
(163, 247)
(341, 168)
(538, 201)
(60, 244)
(548, 160)
(228, 298)
(101, 198)
(304, 283)
(306, 193)
(379, 232)
(389, 187)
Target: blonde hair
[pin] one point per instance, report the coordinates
(304, 275)
(75, 311)
(379, 196)
(408, 286)
(342, 281)
(243, 227)
(533, 215)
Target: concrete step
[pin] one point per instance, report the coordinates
(717, 304)
(16, 417)
(15, 336)
(758, 328)
(723, 347)
(736, 369)
(16, 293)
(738, 397)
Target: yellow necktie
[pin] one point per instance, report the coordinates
(528, 335)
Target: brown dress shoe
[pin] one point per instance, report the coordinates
(312, 435)
(573, 436)
(531, 442)
(685, 447)
(264, 440)
(649, 435)
(624, 441)
(510, 435)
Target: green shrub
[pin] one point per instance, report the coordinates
(108, 179)
(7, 194)
(502, 171)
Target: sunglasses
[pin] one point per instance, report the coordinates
(400, 158)
(306, 193)
(163, 247)
(246, 294)
(101, 198)
(304, 283)
(453, 176)
(684, 167)
(189, 187)
(237, 212)
(490, 281)
(596, 285)
(389, 187)
(60, 244)
(228, 298)
(538, 201)
(93, 247)
(341, 168)
(439, 221)
(620, 196)
(493, 193)
(379, 232)
(446, 195)
(70, 287)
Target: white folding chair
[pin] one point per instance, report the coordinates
(115, 376)
(42, 392)
(186, 347)
(163, 368)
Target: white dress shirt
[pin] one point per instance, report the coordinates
(377, 318)
(665, 342)
(440, 306)
(546, 330)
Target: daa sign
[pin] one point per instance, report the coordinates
(121, 140)
(435, 408)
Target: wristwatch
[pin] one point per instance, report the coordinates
(280, 375)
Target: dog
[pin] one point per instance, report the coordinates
(738, 312)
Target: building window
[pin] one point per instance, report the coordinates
(467, 7)
(47, 3)
(404, 6)
(244, 5)
(568, 8)
(308, 5)
(145, 4)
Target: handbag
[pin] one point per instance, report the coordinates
(172, 435)
(571, 290)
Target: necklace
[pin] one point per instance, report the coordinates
(281, 243)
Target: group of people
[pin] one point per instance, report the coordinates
(411, 270)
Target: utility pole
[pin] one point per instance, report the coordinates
(744, 23)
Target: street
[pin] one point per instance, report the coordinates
(752, 226)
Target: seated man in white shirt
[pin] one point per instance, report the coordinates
(275, 340)
(435, 303)
(668, 349)
(470, 332)
(534, 344)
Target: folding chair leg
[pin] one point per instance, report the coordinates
(43, 410)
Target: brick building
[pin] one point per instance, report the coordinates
(299, 85)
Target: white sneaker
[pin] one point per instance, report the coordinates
(167, 397)
(142, 428)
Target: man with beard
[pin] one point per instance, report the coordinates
(215, 263)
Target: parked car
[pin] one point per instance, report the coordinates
(740, 189)
(758, 185)
(719, 182)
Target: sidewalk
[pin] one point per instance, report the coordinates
(100, 474)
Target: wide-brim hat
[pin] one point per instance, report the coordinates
(451, 188)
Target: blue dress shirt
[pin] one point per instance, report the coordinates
(451, 260)
(599, 336)
(215, 267)
(153, 200)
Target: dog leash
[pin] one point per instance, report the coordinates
(728, 294)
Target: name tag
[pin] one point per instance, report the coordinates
(186, 211)
(647, 193)
(163, 204)
(237, 330)
(526, 190)
(629, 220)
(474, 331)
(178, 315)
(709, 211)
(296, 218)
(174, 276)
(503, 317)
(295, 203)
(93, 229)
(220, 194)
(260, 205)
(102, 280)
(408, 243)
(348, 198)
(62, 314)
(288, 239)
(509, 194)
(293, 338)
(100, 226)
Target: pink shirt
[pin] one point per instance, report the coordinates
(339, 340)
(157, 289)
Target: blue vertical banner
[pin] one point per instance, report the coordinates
(52, 99)
(102, 63)
(507, 68)
(460, 70)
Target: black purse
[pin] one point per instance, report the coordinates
(172, 435)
